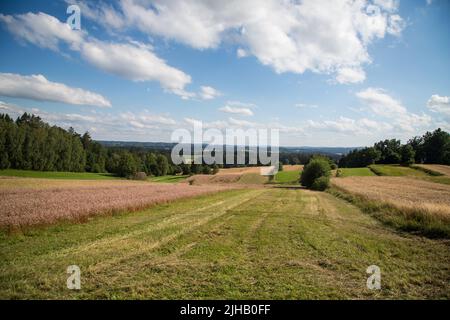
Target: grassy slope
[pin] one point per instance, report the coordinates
(266, 243)
(396, 171)
(168, 179)
(356, 172)
(287, 177)
(399, 171)
(57, 175)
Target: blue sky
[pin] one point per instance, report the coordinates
(345, 73)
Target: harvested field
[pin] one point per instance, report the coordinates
(223, 179)
(238, 171)
(23, 207)
(445, 170)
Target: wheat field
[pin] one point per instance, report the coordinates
(28, 202)
(401, 192)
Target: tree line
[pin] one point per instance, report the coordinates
(29, 143)
(431, 148)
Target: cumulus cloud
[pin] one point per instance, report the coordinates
(37, 87)
(350, 75)
(133, 61)
(140, 126)
(237, 107)
(382, 104)
(42, 30)
(439, 104)
(350, 126)
(209, 93)
(280, 34)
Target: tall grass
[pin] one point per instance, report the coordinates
(426, 219)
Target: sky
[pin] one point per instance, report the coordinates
(325, 73)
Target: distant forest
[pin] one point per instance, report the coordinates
(29, 143)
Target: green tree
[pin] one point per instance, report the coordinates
(127, 165)
(315, 169)
(407, 155)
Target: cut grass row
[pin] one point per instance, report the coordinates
(287, 177)
(241, 244)
(397, 171)
(356, 172)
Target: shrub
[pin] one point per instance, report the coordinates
(321, 184)
(313, 170)
(140, 176)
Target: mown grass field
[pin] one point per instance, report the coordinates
(57, 175)
(287, 177)
(269, 243)
(356, 172)
(397, 171)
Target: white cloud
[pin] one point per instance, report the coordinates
(235, 110)
(133, 61)
(280, 34)
(37, 87)
(241, 53)
(42, 30)
(350, 126)
(350, 75)
(306, 106)
(389, 5)
(439, 104)
(238, 107)
(382, 104)
(142, 126)
(209, 93)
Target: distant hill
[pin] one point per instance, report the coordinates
(168, 146)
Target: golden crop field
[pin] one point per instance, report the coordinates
(399, 191)
(26, 202)
(442, 169)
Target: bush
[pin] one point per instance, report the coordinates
(320, 184)
(313, 170)
(140, 176)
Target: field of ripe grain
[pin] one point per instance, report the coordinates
(420, 204)
(39, 204)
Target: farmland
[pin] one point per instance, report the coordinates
(356, 172)
(237, 244)
(225, 236)
(396, 170)
(418, 205)
(57, 175)
(24, 207)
